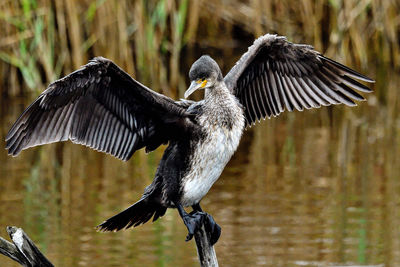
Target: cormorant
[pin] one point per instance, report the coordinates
(102, 107)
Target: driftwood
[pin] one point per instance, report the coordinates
(22, 249)
(205, 251)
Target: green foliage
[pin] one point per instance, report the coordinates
(42, 40)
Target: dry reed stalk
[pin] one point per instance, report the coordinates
(43, 40)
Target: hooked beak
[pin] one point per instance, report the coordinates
(194, 86)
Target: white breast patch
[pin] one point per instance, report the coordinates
(209, 159)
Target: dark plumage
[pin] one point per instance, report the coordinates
(102, 107)
(205, 67)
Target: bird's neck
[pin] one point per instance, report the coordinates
(221, 107)
(219, 92)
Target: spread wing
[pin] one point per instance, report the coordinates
(99, 106)
(275, 74)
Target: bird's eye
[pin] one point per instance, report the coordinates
(200, 80)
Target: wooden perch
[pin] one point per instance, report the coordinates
(205, 251)
(22, 250)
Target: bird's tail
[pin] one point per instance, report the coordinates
(137, 214)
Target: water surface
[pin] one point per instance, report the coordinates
(317, 188)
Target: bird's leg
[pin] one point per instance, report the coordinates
(193, 221)
(196, 207)
(211, 226)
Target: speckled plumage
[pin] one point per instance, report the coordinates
(223, 122)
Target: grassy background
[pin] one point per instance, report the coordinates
(43, 40)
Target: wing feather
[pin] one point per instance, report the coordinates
(264, 97)
(271, 88)
(102, 107)
(254, 99)
(293, 100)
(260, 99)
(283, 93)
(249, 106)
(275, 74)
(296, 93)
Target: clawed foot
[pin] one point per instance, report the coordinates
(213, 228)
(195, 220)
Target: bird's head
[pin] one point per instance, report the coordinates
(203, 74)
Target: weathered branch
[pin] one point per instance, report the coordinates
(205, 250)
(11, 251)
(22, 250)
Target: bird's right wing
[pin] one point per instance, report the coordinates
(102, 107)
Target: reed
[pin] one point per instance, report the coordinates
(42, 39)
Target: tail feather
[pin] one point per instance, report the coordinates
(137, 214)
(159, 213)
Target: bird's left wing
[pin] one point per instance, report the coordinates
(102, 107)
(275, 74)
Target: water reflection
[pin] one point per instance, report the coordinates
(316, 188)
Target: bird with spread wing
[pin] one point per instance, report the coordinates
(102, 107)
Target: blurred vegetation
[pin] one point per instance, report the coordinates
(43, 40)
(325, 179)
